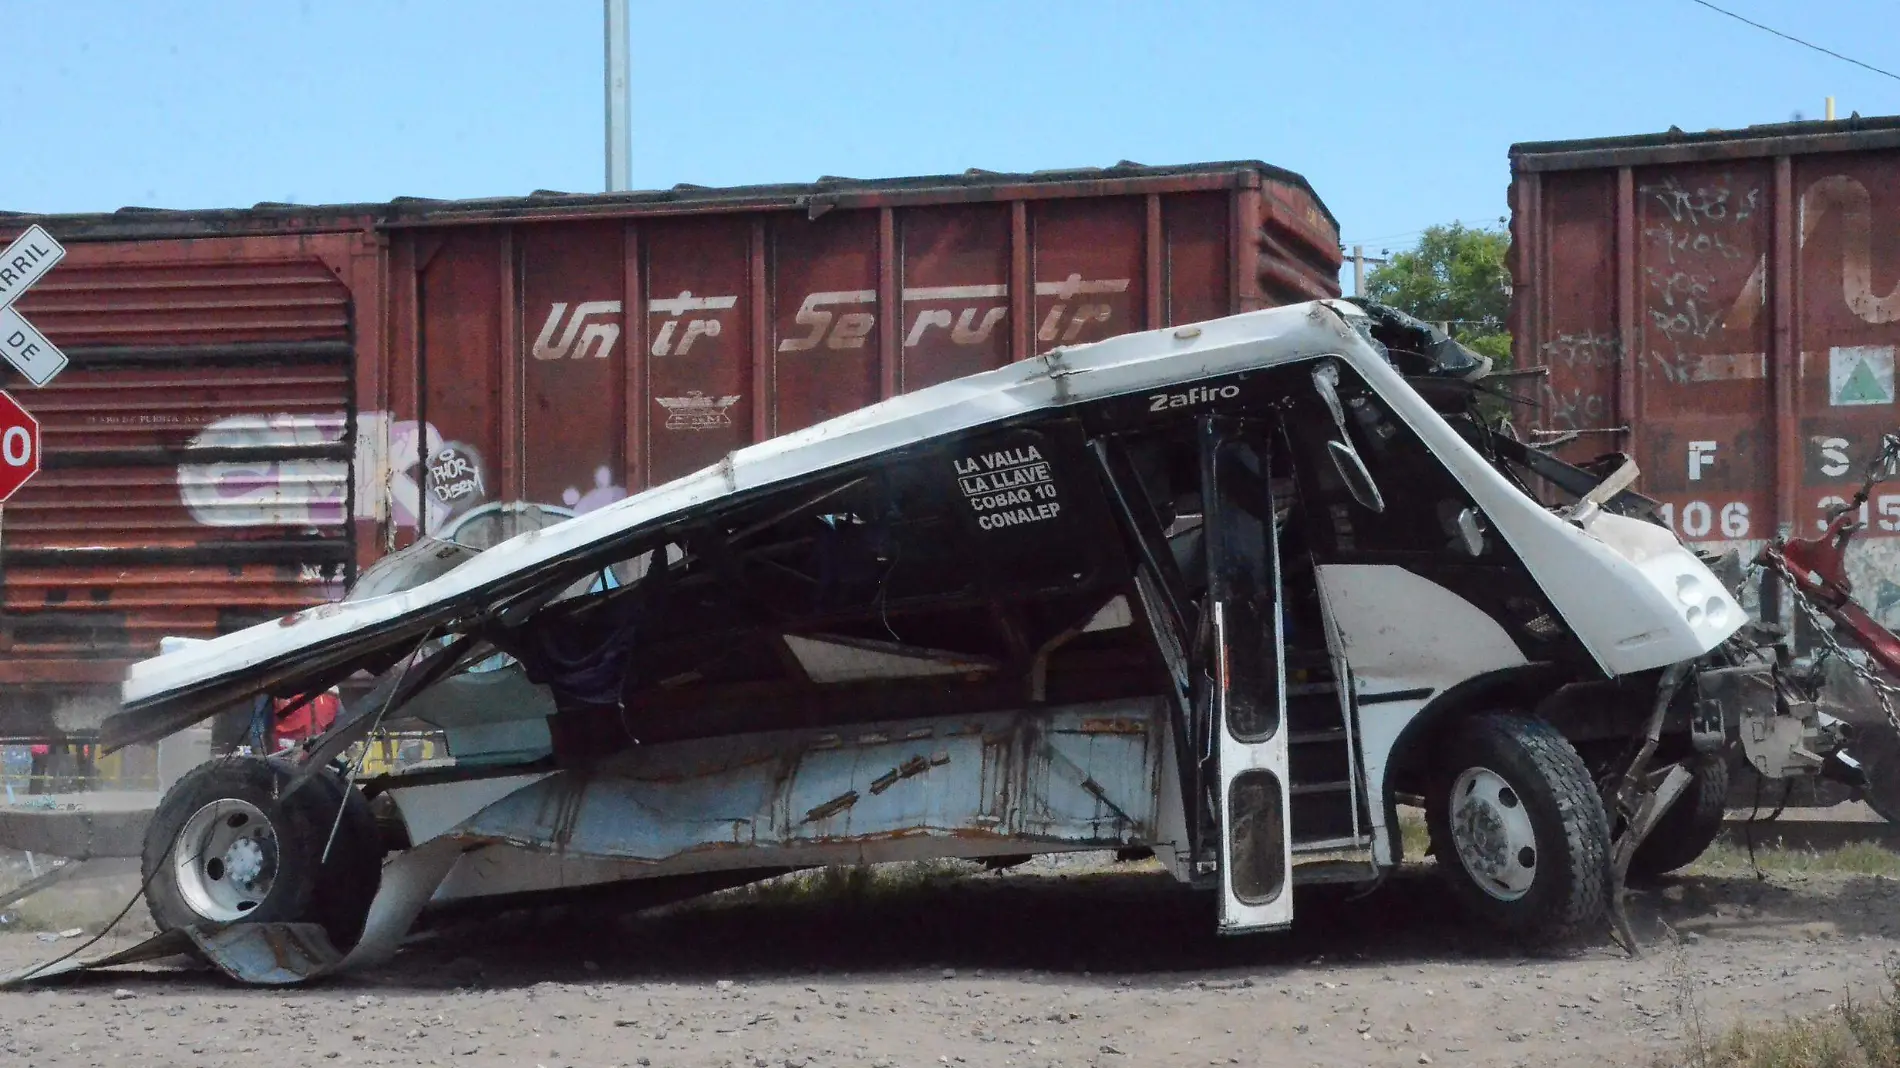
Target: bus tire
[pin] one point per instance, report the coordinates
(1518, 829)
(225, 847)
(1691, 824)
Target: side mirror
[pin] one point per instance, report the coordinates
(1352, 471)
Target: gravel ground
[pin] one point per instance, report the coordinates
(1053, 964)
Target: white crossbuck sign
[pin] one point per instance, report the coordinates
(25, 262)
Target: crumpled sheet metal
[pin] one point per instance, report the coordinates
(262, 954)
(285, 954)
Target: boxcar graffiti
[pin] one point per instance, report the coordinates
(1722, 306)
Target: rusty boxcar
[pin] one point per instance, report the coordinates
(262, 401)
(1723, 306)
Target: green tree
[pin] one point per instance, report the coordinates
(1457, 276)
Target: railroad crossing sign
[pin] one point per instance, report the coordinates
(19, 446)
(24, 262)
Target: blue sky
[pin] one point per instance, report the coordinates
(1399, 113)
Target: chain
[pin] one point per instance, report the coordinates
(1884, 690)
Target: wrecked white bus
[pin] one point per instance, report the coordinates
(1228, 592)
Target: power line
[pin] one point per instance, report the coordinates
(1797, 40)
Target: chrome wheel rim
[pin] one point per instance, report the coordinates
(225, 860)
(1493, 835)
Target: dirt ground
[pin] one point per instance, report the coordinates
(1055, 964)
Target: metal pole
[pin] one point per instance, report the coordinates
(1358, 270)
(619, 101)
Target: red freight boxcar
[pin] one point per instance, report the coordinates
(262, 401)
(1725, 307)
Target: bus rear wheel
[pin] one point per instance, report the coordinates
(226, 847)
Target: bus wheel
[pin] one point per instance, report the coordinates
(224, 847)
(1691, 824)
(1518, 829)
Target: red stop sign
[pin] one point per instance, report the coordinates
(19, 446)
